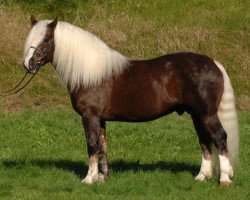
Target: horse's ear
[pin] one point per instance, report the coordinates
(53, 24)
(33, 20)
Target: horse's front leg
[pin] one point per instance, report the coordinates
(92, 130)
(103, 161)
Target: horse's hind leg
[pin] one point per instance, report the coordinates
(219, 138)
(206, 170)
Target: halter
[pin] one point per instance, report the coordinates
(39, 51)
(44, 55)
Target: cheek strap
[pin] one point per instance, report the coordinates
(39, 51)
(51, 43)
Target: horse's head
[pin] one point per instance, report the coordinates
(39, 47)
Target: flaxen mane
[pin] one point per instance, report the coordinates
(80, 57)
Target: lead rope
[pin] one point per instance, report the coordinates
(7, 93)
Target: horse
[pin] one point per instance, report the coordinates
(105, 85)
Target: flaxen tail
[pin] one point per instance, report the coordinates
(228, 117)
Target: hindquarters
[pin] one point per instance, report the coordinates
(202, 83)
(209, 97)
(209, 94)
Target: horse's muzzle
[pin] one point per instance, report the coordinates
(31, 68)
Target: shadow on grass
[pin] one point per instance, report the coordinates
(174, 167)
(80, 168)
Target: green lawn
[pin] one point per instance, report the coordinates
(43, 156)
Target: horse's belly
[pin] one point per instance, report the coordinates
(139, 109)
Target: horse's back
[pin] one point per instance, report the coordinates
(152, 88)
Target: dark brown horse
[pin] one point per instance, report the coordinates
(106, 86)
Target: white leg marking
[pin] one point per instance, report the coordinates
(92, 175)
(226, 169)
(206, 170)
(101, 177)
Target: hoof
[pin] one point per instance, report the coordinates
(225, 184)
(87, 181)
(225, 181)
(102, 178)
(90, 179)
(202, 177)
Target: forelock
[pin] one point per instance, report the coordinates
(36, 35)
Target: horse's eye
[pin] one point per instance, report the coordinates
(46, 39)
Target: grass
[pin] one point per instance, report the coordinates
(43, 150)
(139, 30)
(43, 156)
